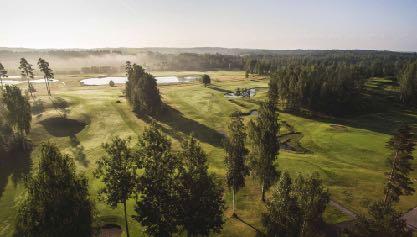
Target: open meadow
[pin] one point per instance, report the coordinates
(349, 153)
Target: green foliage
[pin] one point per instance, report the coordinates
(201, 194)
(47, 73)
(408, 83)
(117, 171)
(398, 180)
(142, 91)
(26, 71)
(205, 79)
(157, 206)
(332, 89)
(235, 160)
(56, 201)
(19, 114)
(265, 145)
(382, 221)
(296, 209)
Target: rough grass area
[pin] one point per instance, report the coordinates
(348, 153)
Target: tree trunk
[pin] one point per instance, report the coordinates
(263, 193)
(233, 201)
(127, 228)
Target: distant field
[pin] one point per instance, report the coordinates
(348, 153)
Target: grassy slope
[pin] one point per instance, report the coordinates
(350, 160)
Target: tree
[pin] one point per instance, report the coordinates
(265, 145)
(408, 83)
(206, 79)
(19, 114)
(56, 200)
(159, 201)
(382, 221)
(117, 171)
(201, 195)
(47, 73)
(26, 71)
(283, 216)
(142, 91)
(312, 199)
(296, 209)
(398, 180)
(235, 160)
(3, 74)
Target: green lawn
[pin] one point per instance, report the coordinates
(350, 157)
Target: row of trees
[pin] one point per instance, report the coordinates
(333, 89)
(174, 190)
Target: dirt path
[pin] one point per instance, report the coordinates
(343, 209)
(411, 219)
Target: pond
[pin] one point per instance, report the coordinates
(97, 81)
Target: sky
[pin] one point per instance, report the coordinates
(262, 24)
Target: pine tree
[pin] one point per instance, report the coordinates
(47, 73)
(56, 201)
(117, 171)
(26, 71)
(201, 194)
(398, 180)
(235, 156)
(408, 83)
(265, 146)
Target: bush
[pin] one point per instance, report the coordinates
(205, 79)
(111, 83)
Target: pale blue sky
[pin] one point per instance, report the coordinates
(268, 24)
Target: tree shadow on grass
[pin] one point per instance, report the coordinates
(180, 125)
(258, 232)
(62, 127)
(16, 164)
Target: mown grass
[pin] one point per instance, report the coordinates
(350, 157)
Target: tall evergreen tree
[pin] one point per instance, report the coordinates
(265, 145)
(117, 170)
(398, 180)
(56, 200)
(3, 74)
(159, 201)
(26, 71)
(47, 73)
(201, 195)
(142, 91)
(235, 156)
